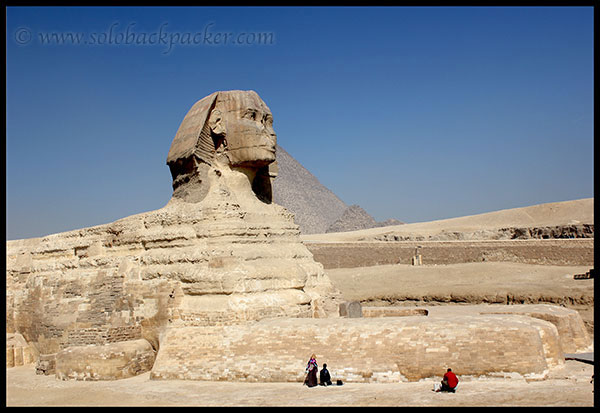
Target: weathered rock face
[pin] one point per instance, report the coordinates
(520, 233)
(109, 362)
(574, 337)
(218, 253)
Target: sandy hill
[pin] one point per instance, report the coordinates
(568, 213)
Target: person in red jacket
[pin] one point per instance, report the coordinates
(449, 382)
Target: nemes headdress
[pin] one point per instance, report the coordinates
(193, 136)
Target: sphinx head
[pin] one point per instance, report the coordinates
(233, 127)
(243, 123)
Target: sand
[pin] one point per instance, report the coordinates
(468, 283)
(567, 386)
(580, 211)
(478, 279)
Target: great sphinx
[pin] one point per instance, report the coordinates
(216, 285)
(222, 161)
(220, 252)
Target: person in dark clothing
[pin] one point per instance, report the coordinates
(449, 382)
(311, 372)
(325, 377)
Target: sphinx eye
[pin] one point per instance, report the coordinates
(251, 114)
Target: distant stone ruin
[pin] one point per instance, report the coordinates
(217, 285)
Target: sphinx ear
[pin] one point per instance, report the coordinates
(217, 124)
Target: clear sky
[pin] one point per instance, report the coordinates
(412, 113)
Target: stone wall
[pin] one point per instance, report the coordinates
(571, 329)
(509, 233)
(363, 254)
(388, 345)
(384, 349)
(392, 311)
(58, 296)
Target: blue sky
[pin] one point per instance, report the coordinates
(412, 113)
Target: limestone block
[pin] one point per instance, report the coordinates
(214, 309)
(46, 364)
(551, 341)
(548, 334)
(18, 357)
(352, 309)
(24, 262)
(571, 329)
(393, 311)
(18, 351)
(10, 357)
(109, 362)
(386, 349)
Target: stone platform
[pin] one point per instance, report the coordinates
(384, 349)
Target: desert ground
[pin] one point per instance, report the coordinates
(467, 286)
(567, 386)
(425, 287)
(580, 211)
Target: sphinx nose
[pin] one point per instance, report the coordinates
(269, 134)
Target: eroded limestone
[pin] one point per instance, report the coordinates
(361, 349)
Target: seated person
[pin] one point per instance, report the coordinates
(325, 377)
(449, 382)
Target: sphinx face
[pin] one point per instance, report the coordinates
(247, 124)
